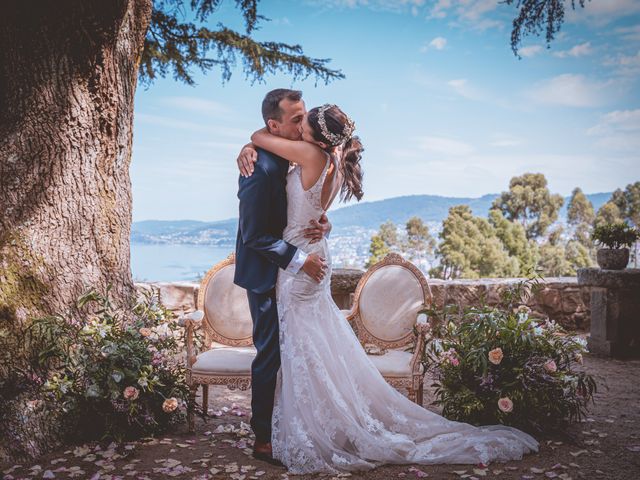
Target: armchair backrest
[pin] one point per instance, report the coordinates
(387, 301)
(227, 319)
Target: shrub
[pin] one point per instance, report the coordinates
(500, 365)
(615, 235)
(119, 372)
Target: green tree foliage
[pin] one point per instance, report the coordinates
(608, 213)
(377, 251)
(179, 41)
(580, 209)
(529, 202)
(419, 242)
(553, 256)
(536, 16)
(382, 243)
(578, 255)
(389, 234)
(514, 239)
(579, 250)
(628, 202)
(470, 248)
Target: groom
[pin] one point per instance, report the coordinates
(261, 251)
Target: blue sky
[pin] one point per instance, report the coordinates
(441, 103)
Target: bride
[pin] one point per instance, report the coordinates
(333, 410)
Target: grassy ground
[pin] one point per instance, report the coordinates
(605, 446)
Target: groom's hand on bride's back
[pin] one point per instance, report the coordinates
(318, 229)
(247, 157)
(315, 267)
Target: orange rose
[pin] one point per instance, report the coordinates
(495, 356)
(170, 404)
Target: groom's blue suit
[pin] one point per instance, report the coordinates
(260, 251)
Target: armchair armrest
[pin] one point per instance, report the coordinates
(191, 321)
(423, 328)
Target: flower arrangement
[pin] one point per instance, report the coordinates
(120, 372)
(500, 365)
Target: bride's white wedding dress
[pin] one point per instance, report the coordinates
(333, 410)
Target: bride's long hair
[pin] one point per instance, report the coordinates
(335, 121)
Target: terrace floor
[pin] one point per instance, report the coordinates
(604, 446)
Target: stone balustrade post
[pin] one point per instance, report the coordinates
(615, 310)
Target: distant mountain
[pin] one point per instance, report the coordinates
(431, 208)
(367, 215)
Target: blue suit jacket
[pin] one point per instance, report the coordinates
(260, 250)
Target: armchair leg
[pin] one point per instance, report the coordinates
(412, 394)
(191, 406)
(420, 395)
(205, 399)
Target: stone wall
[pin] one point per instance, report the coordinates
(560, 299)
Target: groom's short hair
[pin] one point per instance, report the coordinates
(271, 103)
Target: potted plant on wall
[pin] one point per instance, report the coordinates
(614, 240)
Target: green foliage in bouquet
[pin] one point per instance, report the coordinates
(120, 374)
(498, 365)
(615, 235)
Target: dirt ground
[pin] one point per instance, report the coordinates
(604, 446)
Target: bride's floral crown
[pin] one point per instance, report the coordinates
(335, 138)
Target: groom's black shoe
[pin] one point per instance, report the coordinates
(262, 451)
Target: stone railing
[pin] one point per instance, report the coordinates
(560, 299)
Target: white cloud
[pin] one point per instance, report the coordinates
(473, 13)
(463, 88)
(284, 21)
(618, 130)
(572, 91)
(577, 51)
(176, 124)
(530, 50)
(397, 6)
(505, 141)
(443, 146)
(437, 43)
(624, 64)
(601, 12)
(195, 104)
(631, 33)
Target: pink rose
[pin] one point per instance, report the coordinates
(145, 332)
(130, 393)
(550, 366)
(170, 404)
(505, 404)
(454, 361)
(495, 356)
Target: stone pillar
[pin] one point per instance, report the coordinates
(343, 286)
(615, 311)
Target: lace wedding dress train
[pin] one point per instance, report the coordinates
(333, 410)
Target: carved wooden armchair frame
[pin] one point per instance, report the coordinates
(414, 381)
(195, 379)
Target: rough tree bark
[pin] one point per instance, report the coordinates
(68, 73)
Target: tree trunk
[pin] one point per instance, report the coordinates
(68, 73)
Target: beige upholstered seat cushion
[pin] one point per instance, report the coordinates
(394, 363)
(389, 302)
(225, 361)
(226, 306)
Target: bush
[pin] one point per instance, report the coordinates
(119, 372)
(499, 365)
(615, 235)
